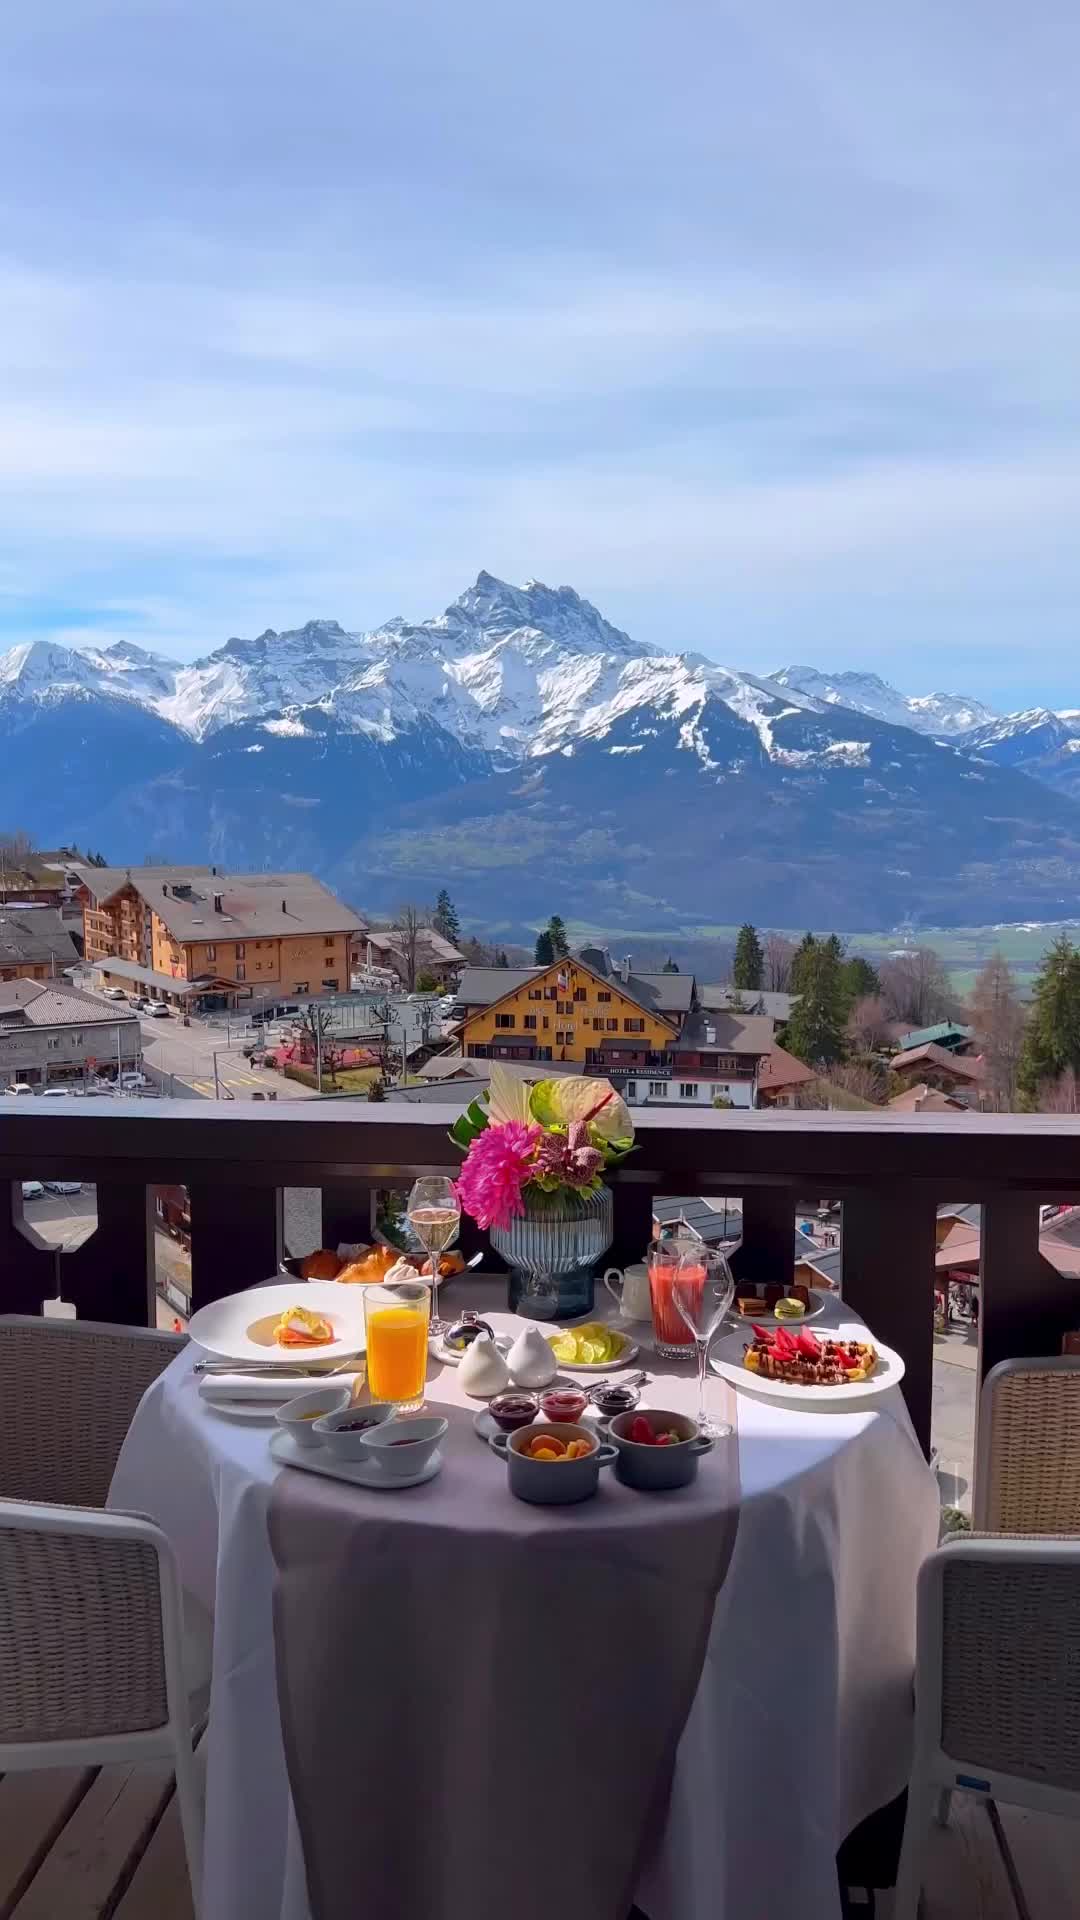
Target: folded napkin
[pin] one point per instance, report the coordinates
(221, 1388)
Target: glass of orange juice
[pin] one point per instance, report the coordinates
(396, 1319)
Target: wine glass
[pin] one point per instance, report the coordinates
(434, 1214)
(701, 1288)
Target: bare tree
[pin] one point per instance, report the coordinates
(1061, 1095)
(381, 1013)
(916, 986)
(16, 848)
(409, 926)
(868, 1024)
(318, 1047)
(779, 953)
(998, 1020)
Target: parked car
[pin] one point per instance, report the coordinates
(72, 1186)
(115, 993)
(135, 1083)
(20, 1086)
(64, 1093)
(33, 1190)
(140, 1005)
(158, 1010)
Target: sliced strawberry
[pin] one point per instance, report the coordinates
(641, 1431)
(807, 1345)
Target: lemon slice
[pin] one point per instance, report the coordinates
(565, 1348)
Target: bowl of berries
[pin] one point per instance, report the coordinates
(657, 1450)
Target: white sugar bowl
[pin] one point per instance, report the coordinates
(531, 1361)
(483, 1371)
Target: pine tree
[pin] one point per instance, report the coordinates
(815, 1032)
(802, 961)
(670, 965)
(445, 920)
(860, 980)
(1052, 1041)
(501, 960)
(545, 952)
(560, 945)
(749, 960)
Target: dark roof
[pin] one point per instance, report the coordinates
(777, 1005)
(945, 1033)
(430, 945)
(747, 1033)
(479, 986)
(828, 1261)
(253, 905)
(664, 993)
(147, 977)
(33, 1003)
(34, 937)
(709, 1218)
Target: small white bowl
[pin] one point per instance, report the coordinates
(342, 1433)
(298, 1416)
(406, 1447)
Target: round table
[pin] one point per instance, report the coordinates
(801, 1725)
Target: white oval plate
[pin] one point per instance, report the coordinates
(355, 1473)
(726, 1360)
(818, 1304)
(623, 1359)
(241, 1327)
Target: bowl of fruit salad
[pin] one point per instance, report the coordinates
(656, 1450)
(555, 1464)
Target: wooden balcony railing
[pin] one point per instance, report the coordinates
(890, 1171)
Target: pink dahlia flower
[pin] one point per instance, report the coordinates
(498, 1165)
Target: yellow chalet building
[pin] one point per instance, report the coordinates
(193, 933)
(653, 1035)
(570, 1011)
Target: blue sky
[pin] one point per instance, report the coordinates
(760, 325)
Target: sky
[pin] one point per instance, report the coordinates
(759, 324)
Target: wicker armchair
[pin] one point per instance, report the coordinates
(997, 1690)
(92, 1643)
(1027, 1477)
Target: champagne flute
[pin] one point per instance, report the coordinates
(434, 1214)
(701, 1288)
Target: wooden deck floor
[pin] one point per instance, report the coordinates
(89, 1845)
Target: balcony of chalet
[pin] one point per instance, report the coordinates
(78, 1842)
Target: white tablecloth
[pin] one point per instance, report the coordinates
(802, 1721)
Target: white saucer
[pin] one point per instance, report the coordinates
(356, 1473)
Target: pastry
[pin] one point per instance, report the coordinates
(323, 1264)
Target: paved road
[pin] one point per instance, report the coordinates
(181, 1060)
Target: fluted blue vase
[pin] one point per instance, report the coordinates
(552, 1252)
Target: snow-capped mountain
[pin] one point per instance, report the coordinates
(942, 714)
(518, 741)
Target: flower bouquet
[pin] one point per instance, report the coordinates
(535, 1157)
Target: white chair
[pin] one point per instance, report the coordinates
(95, 1667)
(91, 1650)
(997, 1688)
(1027, 1473)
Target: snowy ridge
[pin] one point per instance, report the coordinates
(514, 674)
(947, 714)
